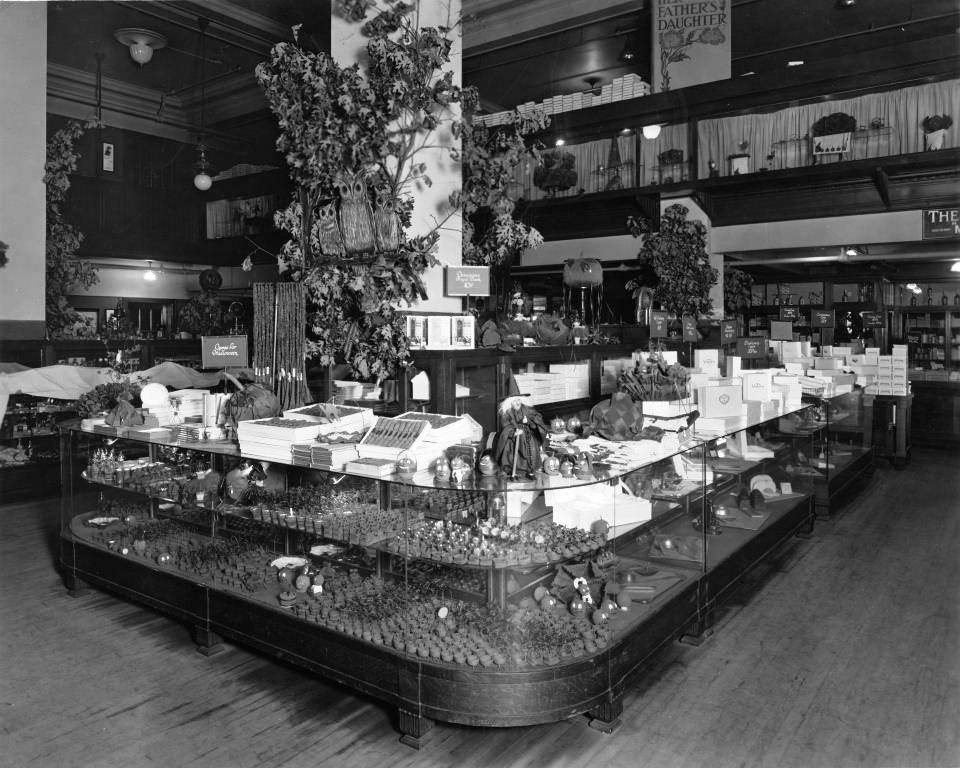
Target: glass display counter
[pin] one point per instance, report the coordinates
(472, 597)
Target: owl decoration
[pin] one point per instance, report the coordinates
(356, 215)
(386, 222)
(327, 231)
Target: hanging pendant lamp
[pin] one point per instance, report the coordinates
(202, 179)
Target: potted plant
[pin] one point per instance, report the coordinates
(677, 254)
(935, 130)
(737, 291)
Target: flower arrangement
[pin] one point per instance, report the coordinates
(935, 129)
(201, 314)
(104, 397)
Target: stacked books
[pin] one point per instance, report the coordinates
(271, 439)
(334, 418)
(371, 467)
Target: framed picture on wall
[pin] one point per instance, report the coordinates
(88, 324)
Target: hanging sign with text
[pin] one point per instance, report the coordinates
(941, 223)
(728, 331)
(872, 319)
(690, 329)
(751, 347)
(691, 43)
(467, 281)
(224, 352)
(781, 330)
(658, 325)
(822, 318)
(789, 312)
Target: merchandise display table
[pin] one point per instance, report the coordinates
(544, 623)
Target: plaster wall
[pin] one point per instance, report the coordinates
(23, 129)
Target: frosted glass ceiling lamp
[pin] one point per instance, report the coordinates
(202, 179)
(651, 131)
(140, 42)
(150, 275)
(955, 267)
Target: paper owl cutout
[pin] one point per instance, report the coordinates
(356, 215)
(386, 222)
(328, 231)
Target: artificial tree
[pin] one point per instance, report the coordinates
(677, 253)
(492, 235)
(65, 272)
(340, 121)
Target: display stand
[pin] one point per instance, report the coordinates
(675, 592)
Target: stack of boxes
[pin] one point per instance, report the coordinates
(629, 86)
(892, 372)
(564, 381)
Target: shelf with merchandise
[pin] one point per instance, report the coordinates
(505, 597)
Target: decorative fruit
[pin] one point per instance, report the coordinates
(558, 425)
(286, 576)
(551, 465)
(573, 424)
(577, 607)
(164, 558)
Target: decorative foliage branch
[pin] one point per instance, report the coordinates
(338, 121)
(491, 156)
(678, 254)
(737, 289)
(65, 272)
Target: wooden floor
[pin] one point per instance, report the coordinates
(842, 651)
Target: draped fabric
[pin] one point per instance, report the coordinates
(773, 140)
(782, 139)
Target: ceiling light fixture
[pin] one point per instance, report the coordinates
(140, 42)
(955, 267)
(795, 63)
(850, 251)
(559, 143)
(651, 131)
(846, 3)
(202, 179)
(629, 52)
(150, 275)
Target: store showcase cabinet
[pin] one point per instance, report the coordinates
(482, 599)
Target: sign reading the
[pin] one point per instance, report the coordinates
(941, 223)
(658, 325)
(751, 347)
(467, 281)
(690, 329)
(728, 331)
(822, 318)
(224, 352)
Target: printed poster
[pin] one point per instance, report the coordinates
(691, 43)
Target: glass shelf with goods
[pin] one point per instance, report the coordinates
(480, 581)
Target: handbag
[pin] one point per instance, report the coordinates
(619, 418)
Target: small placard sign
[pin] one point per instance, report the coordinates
(752, 347)
(872, 319)
(789, 312)
(728, 331)
(689, 328)
(658, 325)
(467, 281)
(224, 352)
(781, 330)
(821, 318)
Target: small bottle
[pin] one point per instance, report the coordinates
(944, 300)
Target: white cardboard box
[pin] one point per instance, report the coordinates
(720, 400)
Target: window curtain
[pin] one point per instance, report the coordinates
(889, 123)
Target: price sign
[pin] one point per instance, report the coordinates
(728, 331)
(467, 281)
(658, 325)
(689, 329)
(789, 312)
(872, 319)
(822, 318)
(781, 330)
(224, 352)
(752, 347)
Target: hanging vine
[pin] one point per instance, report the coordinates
(65, 272)
(349, 136)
